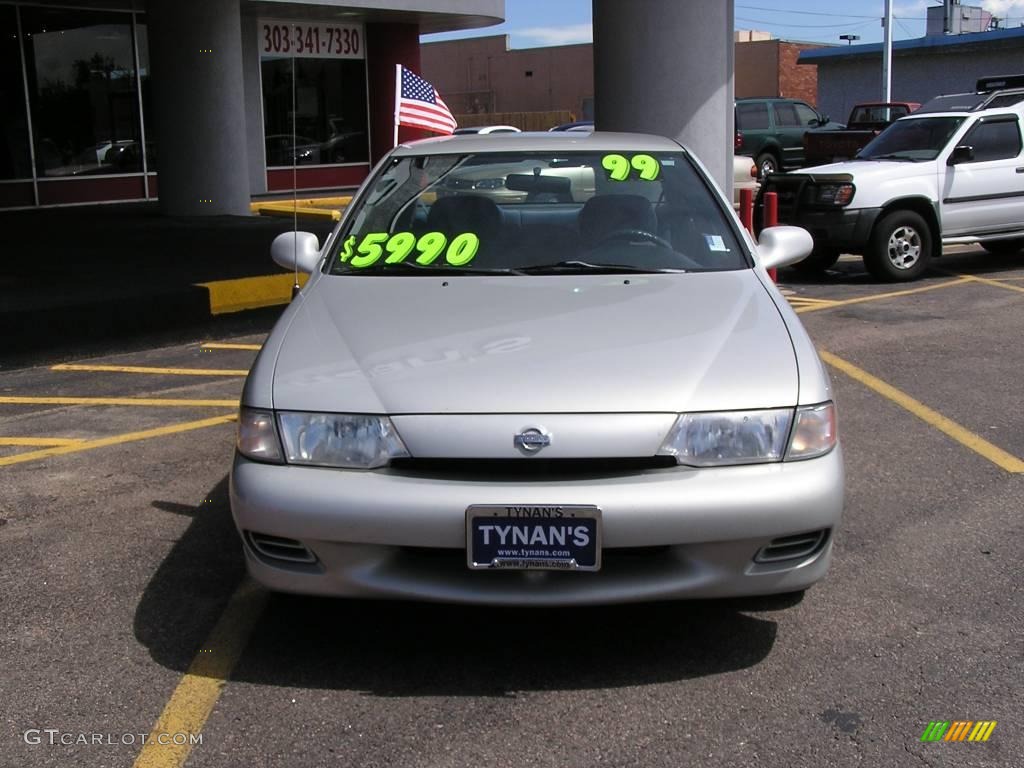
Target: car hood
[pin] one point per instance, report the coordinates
(866, 170)
(536, 344)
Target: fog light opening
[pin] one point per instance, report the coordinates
(799, 546)
(279, 548)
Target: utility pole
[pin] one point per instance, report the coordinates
(887, 53)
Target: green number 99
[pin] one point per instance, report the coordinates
(617, 167)
(647, 165)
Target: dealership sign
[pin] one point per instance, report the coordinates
(310, 40)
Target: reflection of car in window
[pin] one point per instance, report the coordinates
(606, 386)
(280, 150)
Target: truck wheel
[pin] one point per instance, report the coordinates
(1003, 247)
(766, 163)
(819, 260)
(900, 248)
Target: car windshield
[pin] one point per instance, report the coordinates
(538, 213)
(913, 138)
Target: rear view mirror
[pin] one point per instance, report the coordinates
(538, 184)
(961, 154)
(296, 250)
(782, 246)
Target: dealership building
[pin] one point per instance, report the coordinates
(195, 102)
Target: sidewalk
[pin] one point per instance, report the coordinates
(85, 274)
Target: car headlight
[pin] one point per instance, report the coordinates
(257, 436)
(814, 432)
(729, 437)
(351, 441)
(752, 437)
(834, 194)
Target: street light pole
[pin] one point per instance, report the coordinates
(887, 53)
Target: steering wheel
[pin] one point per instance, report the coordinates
(634, 234)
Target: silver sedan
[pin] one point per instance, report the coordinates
(542, 401)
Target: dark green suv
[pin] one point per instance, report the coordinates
(772, 131)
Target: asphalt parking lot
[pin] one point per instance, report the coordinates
(127, 617)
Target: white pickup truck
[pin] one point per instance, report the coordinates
(952, 172)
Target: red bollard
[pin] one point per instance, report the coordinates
(747, 209)
(771, 218)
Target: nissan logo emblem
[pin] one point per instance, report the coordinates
(532, 440)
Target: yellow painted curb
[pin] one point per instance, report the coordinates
(312, 207)
(251, 292)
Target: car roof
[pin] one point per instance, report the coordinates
(540, 141)
(768, 98)
(1010, 98)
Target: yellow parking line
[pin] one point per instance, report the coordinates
(130, 437)
(996, 283)
(890, 295)
(808, 300)
(147, 369)
(200, 687)
(40, 441)
(225, 345)
(964, 436)
(160, 402)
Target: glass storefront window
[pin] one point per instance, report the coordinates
(15, 162)
(142, 41)
(330, 107)
(81, 76)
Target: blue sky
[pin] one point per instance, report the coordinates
(532, 23)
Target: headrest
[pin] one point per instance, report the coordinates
(465, 213)
(605, 214)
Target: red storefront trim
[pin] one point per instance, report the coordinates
(323, 177)
(90, 190)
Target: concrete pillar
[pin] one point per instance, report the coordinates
(195, 49)
(387, 45)
(253, 97)
(666, 67)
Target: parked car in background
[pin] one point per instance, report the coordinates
(744, 176)
(578, 125)
(557, 403)
(486, 129)
(772, 131)
(952, 172)
(866, 121)
(559, 180)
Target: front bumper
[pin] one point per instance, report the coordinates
(667, 533)
(845, 230)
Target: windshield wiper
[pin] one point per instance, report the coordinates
(412, 268)
(586, 266)
(891, 156)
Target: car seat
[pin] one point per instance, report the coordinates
(603, 215)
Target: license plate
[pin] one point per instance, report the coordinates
(563, 537)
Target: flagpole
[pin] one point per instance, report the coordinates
(398, 93)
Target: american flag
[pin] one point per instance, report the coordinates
(420, 106)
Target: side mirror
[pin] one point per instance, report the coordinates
(782, 246)
(961, 154)
(296, 250)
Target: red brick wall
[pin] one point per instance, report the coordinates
(482, 74)
(797, 81)
(757, 69)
